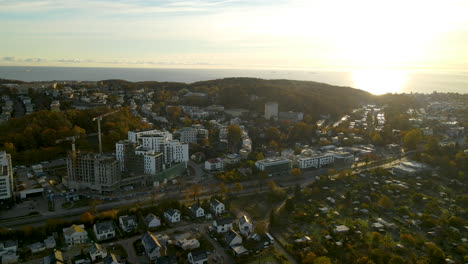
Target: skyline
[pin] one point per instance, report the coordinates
(235, 34)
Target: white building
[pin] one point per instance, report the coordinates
(96, 251)
(152, 221)
(222, 225)
(152, 246)
(271, 110)
(216, 207)
(75, 234)
(172, 215)
(214, 164)
(6, 176)
(197, 211)
(274, 166)
(245, 225)
(104, 230)
(315, 161)
(197, 257)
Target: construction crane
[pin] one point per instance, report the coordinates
(98, 119)
(72, 139)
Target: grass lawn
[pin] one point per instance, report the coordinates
(264, 260)
(257, 205)
(118, 250)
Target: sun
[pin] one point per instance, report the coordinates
(379, 81)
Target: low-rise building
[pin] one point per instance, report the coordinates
(245, 226)
(197, 211)
(96, 252)
(216, 207)
(197, 257)
(172, 215)
(214, 164)
(128, 223)
(222, 225)
(104, 230)
(152, 220)
(75, 234)
(152, 246)
(232, 238)
(274, 166)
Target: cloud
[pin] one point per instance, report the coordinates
(8, 59)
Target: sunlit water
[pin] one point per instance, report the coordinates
(374, 81)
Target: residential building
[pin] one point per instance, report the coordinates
(6, 176)
(194, 134)
(172, 215)
(291, 116)
(214, 164)
(197, 211)
(128, 223)
(222, 225)
(315, 161)
(197, 257)
(245, 226)
(55, 258)
(93, 171)
(112, 259)
(274, 166)
(171, 259)
(104, 230)
(152, 220)
(75, 234)
(232, 238)
(96, 252)
(37, 247)
(152, 246)
(136, 159)
(216, 207)
(55, 106)
(271, 110)
(50, 242)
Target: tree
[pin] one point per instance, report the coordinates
(260, 156)
(432, 145)
(194, 191)
(296, 172)
(87, 218)
(377, 139)
(239, 187)
(322, 260)
(385, 202)
(223, 189)
(261, 227)
(412, 139)
(234, 135)
(396, 260)
(309, 258)
(289, 205)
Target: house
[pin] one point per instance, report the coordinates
(75, 234)
(188, 244)
(8, 246)
(214, 164)
(151, 245)
(96, 251)
(341, 229)
(112, 259)
(171, 259)
(104, 230)
(198, 257)
(172, 215)
(128, 222)
(37, 247)
(216, 207)
(152, 221)
(50, 242)
(245, 226)
(54, 258)
(232, 238)
(222, 224)
(197, 211)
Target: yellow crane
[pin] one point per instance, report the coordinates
(98, 119)
(73, 140)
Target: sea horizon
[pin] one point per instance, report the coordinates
(377, 81)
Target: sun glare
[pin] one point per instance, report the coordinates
(379, 81)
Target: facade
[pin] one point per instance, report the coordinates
(315, 161)
(291, 116)
(75, 234)
(96, 251)
(197, 257)
(271, 110)
(245, 226)
(172, 215)
(274, 166)
(6, 176)
(222, 225)
(152, 221)
(216, 207)
(151, 245)
(93, 171)
(197, 211)
(232, 238)
(194, 134)
(128, 222)
(214, 164)
(136, 159)
(104, 230)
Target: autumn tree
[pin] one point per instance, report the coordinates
(412, 139)
(87, 218)
(296, 172)
(234, 135)
(322, 260)
(238, 186)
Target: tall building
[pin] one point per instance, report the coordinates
(93, 171)
(6, 176)
(271, 110)
(194, 134)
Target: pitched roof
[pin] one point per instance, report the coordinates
(96, 247)
(215, 202)
(171, 211)
(105, 226)
(230, 235)
(111, 258)
(244, 219)
(199, 255)
(150, 217)
(171, 259)
(194, 208)
(150, 242)
(223, 221)
(73, 229)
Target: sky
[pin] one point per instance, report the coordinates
(313, 34)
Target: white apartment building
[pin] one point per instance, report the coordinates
(6, 176)
(214, 164)
(271, 110)
(135, 135)
(315, 161)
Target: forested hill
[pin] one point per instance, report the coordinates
(306, 96)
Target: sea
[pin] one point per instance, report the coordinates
(374, 81)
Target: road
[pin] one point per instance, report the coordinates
(249, 187)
